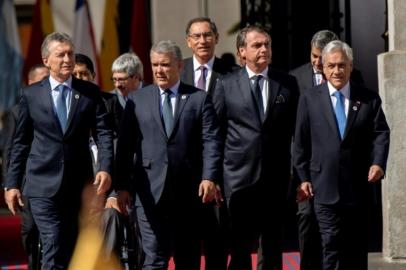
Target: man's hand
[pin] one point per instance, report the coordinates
(112, 202)
(375, 173)
(124, 202)
(218, 197)
(13, 199)
(304, 191)
(207, 190)
(103, 182)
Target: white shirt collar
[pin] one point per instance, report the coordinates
(208, 65)
(174, 89)
(54, 83)
(345, 90)
(251, 73)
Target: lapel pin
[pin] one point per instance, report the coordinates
(280, 99)
(77, 96)
(356, 106)
(183, 96)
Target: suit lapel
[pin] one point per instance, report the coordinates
(327, 107)
(309, 77)
(181, 100)
(156, 108)
(353, 109)
(75, 98)
(188, 72)
(214, 74)
(46, 98)
(273, 90)
(246, 92)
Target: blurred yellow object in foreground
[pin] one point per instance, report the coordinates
(89, 253)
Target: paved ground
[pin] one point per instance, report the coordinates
(376, 262)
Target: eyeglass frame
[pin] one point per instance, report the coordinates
(206, 35)
(121, 80)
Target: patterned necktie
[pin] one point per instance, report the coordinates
(201, 83)
(340, 112)
(258, 96)
(61, 109)
(167, 113)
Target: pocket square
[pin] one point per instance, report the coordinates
(280, 99)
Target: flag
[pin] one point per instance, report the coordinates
(140, 35)
(109, 49)
(11, 59)
(83, 35)
(42, 25)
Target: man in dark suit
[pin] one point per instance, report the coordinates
(203, 70)
(308, 76)
(51, 147)
(311, 74)
(341, 144)
(256, 107)
(29, 231)
(172, 129)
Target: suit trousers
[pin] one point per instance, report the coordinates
(215, 234)
(343, 230)
(169, 227)
(255, 214)
(309, 237)
(57, 222)
(30, 236)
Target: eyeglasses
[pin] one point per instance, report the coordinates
(120, 80)
(206, 35)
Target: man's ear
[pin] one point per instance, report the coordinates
(45, 62)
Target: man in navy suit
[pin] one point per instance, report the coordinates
(308, 76)
(257, 108)
(341, 144)
(203, 70)
(202, 37)
(171, 128)
(51, 147)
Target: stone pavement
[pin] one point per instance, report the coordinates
(376, 262)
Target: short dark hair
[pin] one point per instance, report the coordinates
(321, 38)
(84, 60)
(241, 40)
(213, 26)
(33, 69)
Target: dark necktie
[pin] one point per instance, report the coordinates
(339, 111)
(258, 96)
(60, 105)
(201, 83)
(167, 113)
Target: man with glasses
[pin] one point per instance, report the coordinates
(127, 76)
(202, 70)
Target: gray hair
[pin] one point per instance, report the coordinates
(167, 46)
(129, 63)
(322, 38)
(337, 45)
(55, 36)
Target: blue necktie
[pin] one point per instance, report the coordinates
(256, 88)
(340, 112)
(60, 105)
(167, 113)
